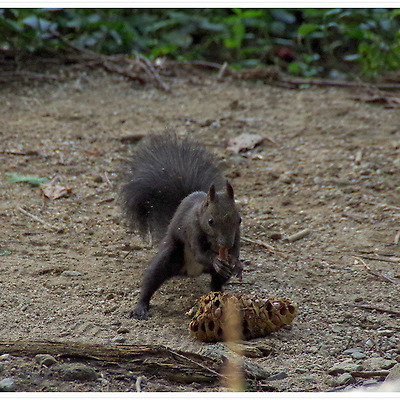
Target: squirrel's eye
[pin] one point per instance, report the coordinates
(211, 222)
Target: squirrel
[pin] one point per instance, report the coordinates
(176, 193)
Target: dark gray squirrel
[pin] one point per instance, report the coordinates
(176, 193)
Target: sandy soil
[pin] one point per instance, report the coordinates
(334, 169)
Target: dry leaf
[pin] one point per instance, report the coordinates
(54, 192)
(244, 142)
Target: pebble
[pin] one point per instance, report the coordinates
(119, 339)
(343, 379)
(71, 273)
(278, 376)
(122, 329)
(358, 355)
(254, 370)
(369, 343)
(45, 359)
(352, 350)
(337, 329)
(275, 235)
(5, 357)
(75, 372)
(378, 363)
(344, 366)
(312, 378)
(7, 385)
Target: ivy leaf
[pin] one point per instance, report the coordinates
(306, 29)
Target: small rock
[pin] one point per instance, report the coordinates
(370, 382)
(275, 235)
(75, 372)
(247, 350)
(5, 357)
(122, 329)
(103, 381)
(342, 367)
(45, 359)
(378, 363)
(255, 371)
(313, 349)
(358, 355)
(111, 309)
(352, 350)
(71, 273)
(343, 379)
(287, 178)
(311, 378)
(369, 343)
(7, 385)
(300, 370)
(119, 339)
(278, 376)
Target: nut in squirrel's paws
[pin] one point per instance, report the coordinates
(223, 254)
(258, 316)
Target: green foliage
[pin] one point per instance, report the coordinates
(31, 179)
(369, 37)
(305, 42)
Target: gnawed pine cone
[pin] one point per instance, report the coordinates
(257, 316)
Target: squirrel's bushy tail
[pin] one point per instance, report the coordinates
(162, 172)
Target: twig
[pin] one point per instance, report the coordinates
(29, 75)
(113, 69)
(20, 153)
(195, 363)
(320, 82)
(138, 383)
(161, 361)
(259, 242)
(380, 276)
(379, 309)
(368, 374)
(299, 235)
(396, 238)
(395, 260)
(222, 71)
(57, 229)
(203, 64)
(148, 67)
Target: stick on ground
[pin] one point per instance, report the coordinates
(53, 227)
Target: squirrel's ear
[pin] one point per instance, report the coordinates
(229, 190)
(211, 193)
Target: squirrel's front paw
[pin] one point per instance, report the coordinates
(140, 312)
(223, 268)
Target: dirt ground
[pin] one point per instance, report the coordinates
(331, 165)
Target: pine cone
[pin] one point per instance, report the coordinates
(259, 316)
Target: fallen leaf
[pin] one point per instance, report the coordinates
(31, 179)
(244, 142)
(54, 192)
